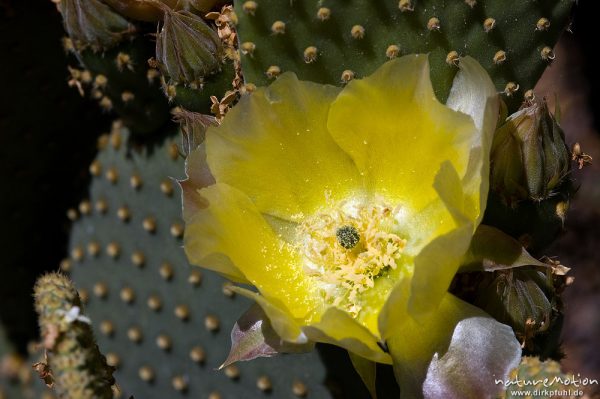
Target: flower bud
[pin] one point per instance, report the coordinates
(523, 298)
(529, 158)
(187, 49)
(92, 23)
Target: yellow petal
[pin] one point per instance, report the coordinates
(474, 94)
(398, 134)
(336, 327)
(274, 146)
(463, 193)
(232, 226)
(454, 352)
(437, 263)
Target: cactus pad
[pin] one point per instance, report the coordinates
(332, 41)
(120, 80)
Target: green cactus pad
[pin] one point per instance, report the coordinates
(121, 80)
(198, 99)
(162, 323)
(329, 41)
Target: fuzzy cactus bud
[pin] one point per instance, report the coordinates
(92, 23)
(187, 49)
(529, 158)
(74, 366)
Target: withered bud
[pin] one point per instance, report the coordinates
(91, 23)
(187, 49)
(193, 128)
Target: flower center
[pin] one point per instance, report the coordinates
(347, 236)
(348, 248)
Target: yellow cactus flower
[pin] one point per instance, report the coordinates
(349, 209)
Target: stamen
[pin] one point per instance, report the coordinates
(342, 268)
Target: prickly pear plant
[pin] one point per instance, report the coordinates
(163, 325)
(74, 366)
(333, 41)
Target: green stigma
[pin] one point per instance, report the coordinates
(347, 236)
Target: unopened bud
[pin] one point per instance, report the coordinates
(91, 23)
(530, 159)
(187, 49)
